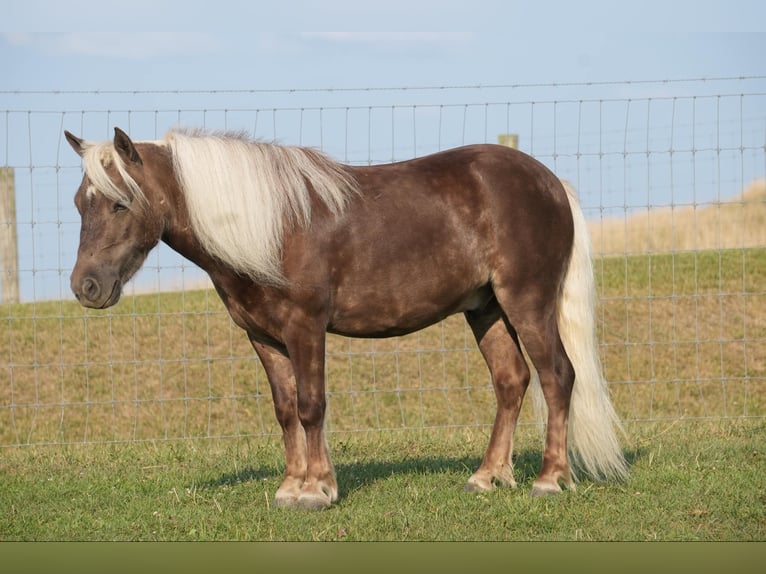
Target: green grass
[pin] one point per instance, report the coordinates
(689, 482)
(153, 421)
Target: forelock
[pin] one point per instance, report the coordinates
(97, 158)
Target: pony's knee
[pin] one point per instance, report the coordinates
(311, 411)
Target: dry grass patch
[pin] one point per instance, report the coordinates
(737, 223)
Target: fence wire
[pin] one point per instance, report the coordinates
(671, 176)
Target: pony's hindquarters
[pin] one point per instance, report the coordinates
(593, 425)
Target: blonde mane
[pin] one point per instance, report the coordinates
(242, 195)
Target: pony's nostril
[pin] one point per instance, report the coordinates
(90, 289)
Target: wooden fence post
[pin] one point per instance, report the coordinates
(510, 140)
(9, 253)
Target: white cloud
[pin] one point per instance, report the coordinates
(390, 37)
(134, 46)
(392, 41)
(17, 38)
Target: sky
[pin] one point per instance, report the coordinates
(259, 56)
(246, 43)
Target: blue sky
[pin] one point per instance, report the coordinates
(255, 57)
(250, 44)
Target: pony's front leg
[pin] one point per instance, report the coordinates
(279, 372)
(306, 347)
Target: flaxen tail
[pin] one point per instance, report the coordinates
(594, 448)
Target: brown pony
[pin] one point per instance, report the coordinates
(298, 245)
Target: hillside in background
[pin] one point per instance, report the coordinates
(736, 223)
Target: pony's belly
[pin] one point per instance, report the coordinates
(377, 316)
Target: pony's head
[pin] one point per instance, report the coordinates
(119, 225)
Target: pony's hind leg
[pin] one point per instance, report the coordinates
(546, 351)
(510, 377)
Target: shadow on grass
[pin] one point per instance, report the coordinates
(357, 474)
(354, 475)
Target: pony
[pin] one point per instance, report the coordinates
(298, 245)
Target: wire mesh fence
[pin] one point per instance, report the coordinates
(670, 175)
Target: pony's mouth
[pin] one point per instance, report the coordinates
(114, 296)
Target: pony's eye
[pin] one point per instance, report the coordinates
(119, 207)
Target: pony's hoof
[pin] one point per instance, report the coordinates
(482, 481)
(539, 490)
(284, 502)
(505, 480)
(313, 502)
(476, 487)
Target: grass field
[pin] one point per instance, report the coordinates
(153, 421)
(689, 482)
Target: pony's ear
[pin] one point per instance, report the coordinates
(77, 144)
(125, 147)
